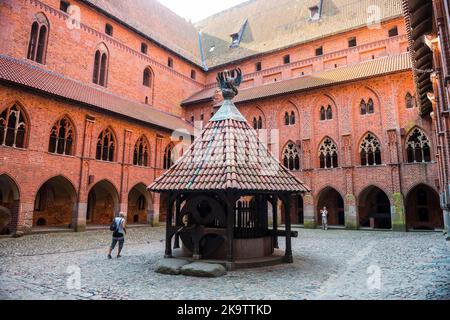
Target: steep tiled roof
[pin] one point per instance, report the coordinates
(157, 22)
(381, 66)
(272, 25)
(24, 74)
(228, 155)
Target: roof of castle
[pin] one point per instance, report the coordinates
(228, 155)
(363, 70)
(264, 25)
(26, 74)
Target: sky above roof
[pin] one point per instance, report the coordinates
(196, 10)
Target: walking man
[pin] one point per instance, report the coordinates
(324, 213)
(118, 234)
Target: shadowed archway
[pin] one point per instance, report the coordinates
(374, 209)
(334, 202)
(423, 210)
(55, 203)
(103, 203)
(9, 205)
(140, 205)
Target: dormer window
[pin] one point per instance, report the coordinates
(314, 13)
(235, 39)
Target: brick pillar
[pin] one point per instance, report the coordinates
(351, 218)
(398, 212)
(309, 216)
(25, 218)
(398, 216)
(153, 214)
(79, 217)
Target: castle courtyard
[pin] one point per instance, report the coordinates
(337, 264)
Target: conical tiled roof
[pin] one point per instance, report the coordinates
(228, 155)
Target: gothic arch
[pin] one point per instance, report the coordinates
(331, 198)
(16, 108)
(374, 207)
(140, 204)
(417, 146)
(288, 106)
(422, 208)
(74, 133)
(370, 150)
(103, 203)
(328, 153)
(38, 40)
(142, 152)
(115, 142)
(291, 156)
(9, 203)
(100, 68)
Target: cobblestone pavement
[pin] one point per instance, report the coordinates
(337, 264)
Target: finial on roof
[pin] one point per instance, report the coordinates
(229, 82)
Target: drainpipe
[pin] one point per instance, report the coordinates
(320, 8)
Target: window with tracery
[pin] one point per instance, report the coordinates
(289, 119)
(141, 153)
(418, 147)
(370, 151)
(13, 127)
(291, 157)
(257, 123)
(37, 45)
(326, 113)
(328, 154)
(62, 137)
(168, 161)
(106, 146)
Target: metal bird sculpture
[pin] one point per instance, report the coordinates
(229, 81)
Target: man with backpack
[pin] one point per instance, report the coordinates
(118, 227)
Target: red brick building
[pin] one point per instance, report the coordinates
(91, 92)
(428, 24)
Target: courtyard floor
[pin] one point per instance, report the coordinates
(337, 264)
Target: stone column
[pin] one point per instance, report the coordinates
(398, 217)
(446, 213)
(309, 216)
(351, 218)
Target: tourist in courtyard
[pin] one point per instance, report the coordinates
(324, 213)
(118, 235)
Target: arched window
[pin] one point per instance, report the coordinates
(141, 202)
(370, 107)
(13, 127)
(141, 153)
(370, 151)
(292, 118)
(100, 74)
(287, 119)
(418, 147)
(260, 123)
(329, 113)
(323, 115)
(168, 161)
(328, 154)
(147, 81)
(291, 157)
(106, 146)
(363, 107)
(409, 100)
(255, 123)
(37, 46)
(62, 137)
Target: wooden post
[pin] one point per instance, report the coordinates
(230, 226)
(169, 218)
(287, 218)
(176, 244)
(275, 220)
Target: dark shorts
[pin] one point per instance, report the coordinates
(117, 238)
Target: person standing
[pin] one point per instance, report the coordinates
(118, 235)
(324, 213)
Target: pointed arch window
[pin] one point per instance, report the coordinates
(291, 157)
(257, 123)
(147, 78)
(62, 137)
(37, 45)
(329, 113)
(370, 151)
(141, 152)
(106, 146)
(409, 100)
(323, 114)
(418, 147)
(370, 106)
(292, 118)
(13, 127)
(101, 62)
(328, 154)
(168, 161)
(287, 119)
(363, 107)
